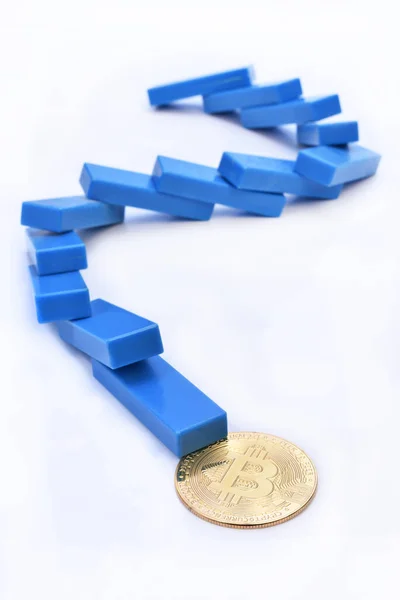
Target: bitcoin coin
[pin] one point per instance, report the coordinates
(246, 481)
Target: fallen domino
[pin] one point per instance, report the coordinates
(200, 86)
(56, 253)
(203, 183)
(297, 111)
(66, 214)
(112, 335)
(254, 95)
(248, 172)
(170, 406)
(124, 347)
(60, 297)
(327, 134)
(119, 187)
(331, 166)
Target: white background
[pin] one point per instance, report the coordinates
(291, 324)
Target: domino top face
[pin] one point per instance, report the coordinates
(56, 253)
(173, 176)
(331, 165)
(254, 95)
(57, 284)
(59, 297)
(128, 188)
(44, 241)
(65, 214)
(327, 134)
(200, 86)
(166, 167)
(297, 111)
(110, 322)
(112, 335)
(174, 409)
(271, 174)
(113, 177)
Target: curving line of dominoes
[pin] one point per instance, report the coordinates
(125, 347)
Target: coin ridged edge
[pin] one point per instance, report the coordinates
(259, 526)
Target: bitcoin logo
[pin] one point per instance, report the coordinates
(246, 480)
(244, 477)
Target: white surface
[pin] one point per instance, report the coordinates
(292, 325)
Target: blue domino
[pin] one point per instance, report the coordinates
(327, 134)
(135, 189)
(66, 214)
(272, 175)
(199, 182)
(177, 412)
(297, 111)
(332, 166)
(59, 297)
(201, 86)
(254, 95)
(56, 253)
(112, 335)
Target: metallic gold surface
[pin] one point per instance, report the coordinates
(248, 480)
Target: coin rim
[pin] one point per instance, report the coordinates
(249, 526)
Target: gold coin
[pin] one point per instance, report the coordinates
(247, 480)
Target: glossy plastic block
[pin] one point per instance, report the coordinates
(332, 166)
(171, 407)
(327, 134)
(66, 214)
(254, 95)
(297, 111)
(201, 86)
(203, 183)
(272, 175)
(112, 335)
(56, 253)
(127, 188)
(59, 297)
